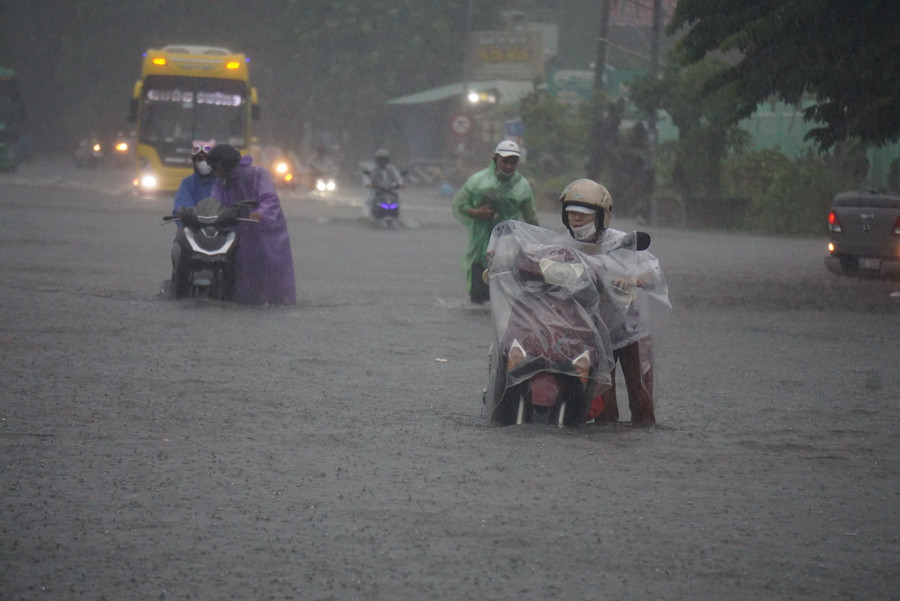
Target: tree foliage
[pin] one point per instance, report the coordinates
(707, 124)
(844, 56)
(555, 140)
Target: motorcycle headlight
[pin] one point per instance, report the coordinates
(582, 364)
(515, 356)
(557, 273)
(281, 167)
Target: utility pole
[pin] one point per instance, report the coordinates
(653, 68)
(597, 143)
(466, 56)
(602, 42)
(652, 134)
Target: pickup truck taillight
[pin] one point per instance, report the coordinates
(834, 224)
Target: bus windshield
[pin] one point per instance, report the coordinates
(181, 109)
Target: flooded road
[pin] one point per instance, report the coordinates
(335, 450)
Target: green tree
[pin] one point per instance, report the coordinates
(843, 55)
(554, 141)
(707, 125)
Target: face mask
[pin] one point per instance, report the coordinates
(585, 233)
(203, 168)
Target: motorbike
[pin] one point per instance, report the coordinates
(386, 205)
(385, 201)
(282, 165)
(320, 181)
(122, 150)
(209, 242)
(89, 152)
(554, 302)
(284, 174)
(325, 184)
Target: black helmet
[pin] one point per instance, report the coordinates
(224, 157)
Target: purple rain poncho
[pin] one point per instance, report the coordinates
(265, 267)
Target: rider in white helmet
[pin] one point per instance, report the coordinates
(384, 176)
(492, 195)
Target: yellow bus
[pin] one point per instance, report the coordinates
(188, 93)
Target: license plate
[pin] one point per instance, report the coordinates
(869, 263)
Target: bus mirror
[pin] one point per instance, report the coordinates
(133, 110)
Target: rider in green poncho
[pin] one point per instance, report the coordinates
(488, 197)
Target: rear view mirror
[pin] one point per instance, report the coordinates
(642, 240)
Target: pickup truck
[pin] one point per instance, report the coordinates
(864, 234)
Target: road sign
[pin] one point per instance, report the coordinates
(461, 124)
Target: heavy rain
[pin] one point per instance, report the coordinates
(337, 447)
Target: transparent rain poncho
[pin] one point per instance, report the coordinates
(554, 299)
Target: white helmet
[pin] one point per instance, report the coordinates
(588, 196)
(508, 148)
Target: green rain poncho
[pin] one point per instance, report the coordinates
(511, 199)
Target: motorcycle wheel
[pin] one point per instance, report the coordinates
(576, 403)
(505, 412)
(218, 288)
(569, 412)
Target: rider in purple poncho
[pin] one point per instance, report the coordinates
(263, 261)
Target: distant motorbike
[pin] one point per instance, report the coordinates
(386, 205)
(284, 172)
(122, 150)
(385, 201)
(208, 243)
(320, 181)
(89, 152)
(281, 164)
(325, 183)
(554, 302)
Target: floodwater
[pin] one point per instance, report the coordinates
(335, 449)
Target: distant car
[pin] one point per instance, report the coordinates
(864, 234)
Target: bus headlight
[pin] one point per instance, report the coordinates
(149, 181)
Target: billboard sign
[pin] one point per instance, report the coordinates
(512, 55)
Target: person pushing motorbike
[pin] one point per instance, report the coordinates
(587, 209)
(263, 261)
(488, 197)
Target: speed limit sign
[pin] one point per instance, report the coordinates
(461, 124)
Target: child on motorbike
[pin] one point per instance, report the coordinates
(586, 212)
